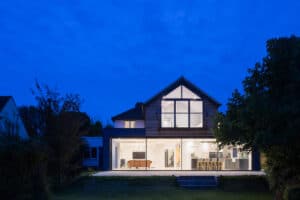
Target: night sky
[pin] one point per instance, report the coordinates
(115, 53)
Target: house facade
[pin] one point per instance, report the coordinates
(92, 156)
(172, 131)
(10, 120)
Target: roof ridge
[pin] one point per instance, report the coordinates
(182, 80)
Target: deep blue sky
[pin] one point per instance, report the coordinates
(114, 53)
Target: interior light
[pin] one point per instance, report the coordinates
(205, 146)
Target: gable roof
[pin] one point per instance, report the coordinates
(136, 113)
(189, 85)
(3, 101)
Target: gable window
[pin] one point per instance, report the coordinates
(181, 108)
(129, 124)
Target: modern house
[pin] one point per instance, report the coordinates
(172, 131)
(10, 120)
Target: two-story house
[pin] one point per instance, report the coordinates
(172, 131)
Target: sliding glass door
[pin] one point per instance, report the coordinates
(200, 154)
(176, 154)
(128, 154)
(164, 154)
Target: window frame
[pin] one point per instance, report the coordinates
(89, 151)
(175, 100)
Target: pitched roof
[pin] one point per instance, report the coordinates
(3, 101)
(136, 113)
(189, 85)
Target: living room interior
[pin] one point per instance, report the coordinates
(177, 154)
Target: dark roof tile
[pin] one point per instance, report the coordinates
(136, 113)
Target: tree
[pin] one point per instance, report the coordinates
(61, 129)
(32, 120)
(65, 145)
(267, 114)
(95, 128)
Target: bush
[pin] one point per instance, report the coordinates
(292, 192)
(244, 183)
(22, 169)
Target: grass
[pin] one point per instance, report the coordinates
(137, 188)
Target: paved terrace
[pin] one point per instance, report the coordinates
(178, 173)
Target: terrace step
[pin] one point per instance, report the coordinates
(197, 182)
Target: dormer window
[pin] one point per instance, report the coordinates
(181, 108)
(129, 124)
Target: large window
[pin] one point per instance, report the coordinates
(200, 154)
(176, 154)
(164, 154)
(181, 114)
(196, 110)
(129, 154)
(181, 108)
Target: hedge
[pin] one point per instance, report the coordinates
(244, 183)
(292, 192)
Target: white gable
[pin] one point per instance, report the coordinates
(174, 94)
(181, 92)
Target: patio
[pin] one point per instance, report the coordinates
(179, 173)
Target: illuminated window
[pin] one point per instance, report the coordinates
(129, 124)
(182, 114)
(181, 92)
(181, 108)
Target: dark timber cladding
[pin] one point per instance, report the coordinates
(153, 114)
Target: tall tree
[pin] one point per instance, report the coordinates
(267, 114)
(61, 129)
(32, 120)
(95, 128)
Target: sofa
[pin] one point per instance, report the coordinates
(139, 163)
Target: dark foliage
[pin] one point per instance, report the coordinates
(22, 169)
(267, 115)
(243, 183)
(61, 129)
(32, 120)
(95, 129)
(292, 192)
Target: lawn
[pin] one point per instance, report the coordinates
(137, 188)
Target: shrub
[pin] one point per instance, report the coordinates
(22, 169)
(244, 183)
(292, 192)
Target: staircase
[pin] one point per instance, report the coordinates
(197, 182)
